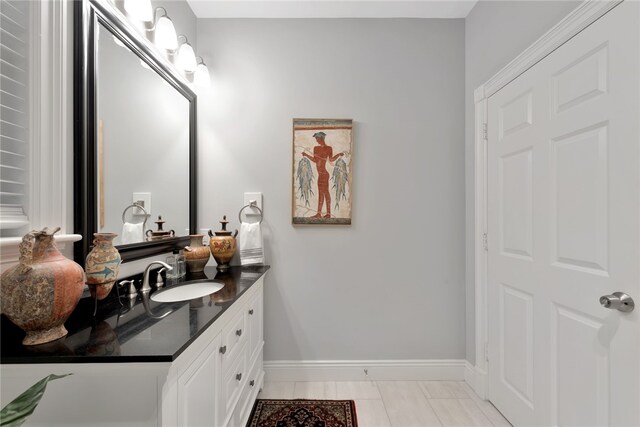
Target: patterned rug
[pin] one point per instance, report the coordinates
(303, 413)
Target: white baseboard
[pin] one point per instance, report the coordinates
(354, 370)
(476, 379)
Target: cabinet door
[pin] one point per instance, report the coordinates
(254, 322)
(198, 388)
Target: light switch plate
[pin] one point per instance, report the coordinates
(145, 198)
(248, 197)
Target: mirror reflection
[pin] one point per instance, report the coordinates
(142, 147)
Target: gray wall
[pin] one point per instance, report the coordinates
(495, 33)
(385, 287)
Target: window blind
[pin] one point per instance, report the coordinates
(14, 115)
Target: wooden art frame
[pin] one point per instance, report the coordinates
(322, 175)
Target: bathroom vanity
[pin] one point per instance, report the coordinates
(187, 363)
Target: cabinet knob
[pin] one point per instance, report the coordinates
(251, 312)
(252, 383)
(239, 332)
(223, 349)
(239, 376)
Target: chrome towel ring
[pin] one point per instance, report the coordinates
(250, 205)
(139, 206)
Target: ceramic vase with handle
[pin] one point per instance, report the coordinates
(40, 293)
(196, 254)
(223, 245)
(102, 265)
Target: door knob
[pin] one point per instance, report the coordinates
(618, 301)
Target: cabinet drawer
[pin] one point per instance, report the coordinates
(234, 377)
(254, 323)
(233, 336)
(249, 392)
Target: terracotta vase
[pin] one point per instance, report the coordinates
(196, 255)
(102, 265)
(40, 293)
(223, 245)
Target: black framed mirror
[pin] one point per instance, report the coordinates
(134, 134)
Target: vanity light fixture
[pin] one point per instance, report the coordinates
(165, 33)
(186, 56)
(201, 77)
(139, 9)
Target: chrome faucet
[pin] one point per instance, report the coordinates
(145, 278)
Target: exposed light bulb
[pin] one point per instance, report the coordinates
(201, 77)
(139, 9)
(165, 34)
(187, 58)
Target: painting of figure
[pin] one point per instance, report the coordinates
(322, 178)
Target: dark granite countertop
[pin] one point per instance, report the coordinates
(122, 334)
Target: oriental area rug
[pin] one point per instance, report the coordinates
(303, 413)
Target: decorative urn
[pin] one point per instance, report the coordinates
(159, 233)
(102, 265)
(40, 293)
(223, 245)
(196, 255)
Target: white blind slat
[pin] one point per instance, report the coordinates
(14, 116)
(19, 5)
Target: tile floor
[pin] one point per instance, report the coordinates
(398, 403)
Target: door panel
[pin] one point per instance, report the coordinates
(578, 212)
(580, 382)
(564, 211)
(517, 342)
(516, 216)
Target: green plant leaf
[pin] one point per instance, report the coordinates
(18, 410)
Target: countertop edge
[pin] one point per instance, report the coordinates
(123, 359)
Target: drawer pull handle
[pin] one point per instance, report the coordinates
(251, 312)
(252, 383)
(239, 332)
(239, 376)
(223, 349)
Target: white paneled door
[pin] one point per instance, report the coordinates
(564, 230)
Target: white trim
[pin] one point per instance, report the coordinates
(580, 18)
(9, 242)
(480, 203)
(330, 9)
(477, 380)
(50, 134)
(353, 370)
(584, 15)
(50, 114)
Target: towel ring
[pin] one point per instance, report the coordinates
(250, 205)
(139, 206)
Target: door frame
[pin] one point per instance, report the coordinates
(584, 15)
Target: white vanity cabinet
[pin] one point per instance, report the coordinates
(213, 382)
(220, 377)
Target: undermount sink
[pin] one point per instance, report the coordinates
(187, 292)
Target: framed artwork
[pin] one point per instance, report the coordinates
(322, 171)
